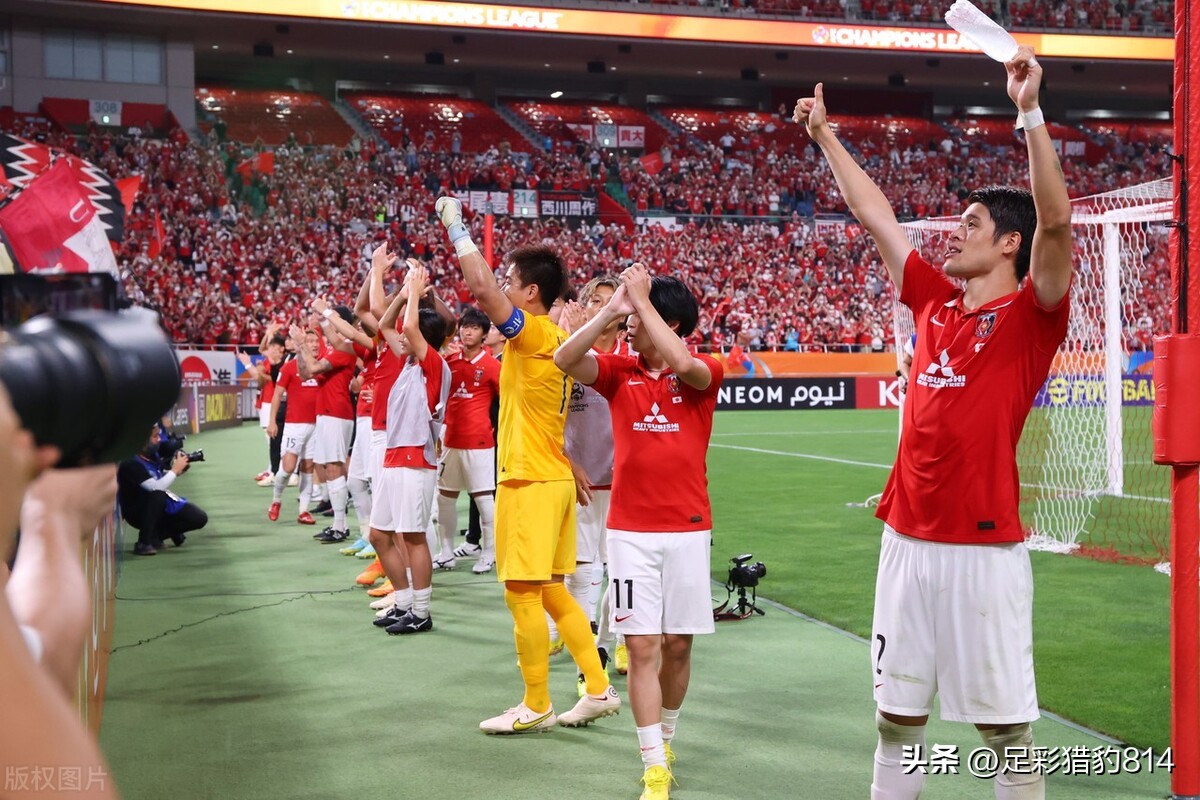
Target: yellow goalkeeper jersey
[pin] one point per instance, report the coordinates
(533, 405)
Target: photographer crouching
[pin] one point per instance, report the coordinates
(147, 502)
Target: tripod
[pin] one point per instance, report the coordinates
(744, 607)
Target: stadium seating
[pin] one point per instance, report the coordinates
(272, 116)
(434, 119)
(554, 118)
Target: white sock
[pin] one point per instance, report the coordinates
(579, 584)
(595, 588)
(447, 521)
(420, 604)
(486, 504)
(670, 720)
(553, 628)
(404, 598)
(281, 482)
(889, 781)
(1010, 785)
(650, 739)
(306, 487)
(339, 496)
(360, 493)
(604, 632)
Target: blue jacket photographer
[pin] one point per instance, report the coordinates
(147, 502)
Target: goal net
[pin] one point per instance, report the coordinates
(1088, 481)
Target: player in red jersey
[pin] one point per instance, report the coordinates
(298, 426)
(403, 504)
(334, 370)
(662, 402)
(954, 594)
(358, 340)
(468, 461)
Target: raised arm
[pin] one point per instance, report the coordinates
(574, 356)
(381, 262)
(672, 348)
(387, 323)
(864, 198)
(478, 275)
(306, 365)
(1050, 257)
(445, 312)
(416, 282)
(362, 304)
(268, 334)
(244, 359)
(346, 334)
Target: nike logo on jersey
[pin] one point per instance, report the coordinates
(521, 727)
(634, 383)
(937, 322)
(878, 685)
(622, 619)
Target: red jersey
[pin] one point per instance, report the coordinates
(435, 376)
(334, 398)
(301, 395)
(974, 377)
(474, 385)
(387, 369)
(366, 387)
(661, 427)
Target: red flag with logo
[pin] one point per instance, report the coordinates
(652, 163)
(263, 162)
(51, 226)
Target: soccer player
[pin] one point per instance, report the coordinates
(535, 499)
(298, 427)
(954, 594)
(403, 504)
(334, 370)
(662, 402)
(358, 339)
(469, 459)
(589, 445)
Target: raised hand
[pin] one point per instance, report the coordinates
(244, 358)
(320, 305)
(449, 210)
(636, 282)
(1024, 79)
(620, 305)
(382, 259)
(810, 111)
(573, 317)
(417, 279)
(296, 333)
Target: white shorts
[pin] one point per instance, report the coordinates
(954, 620)
(473, 471)
(264, 416)
(591, 542)
(660, 582)
(298, 438)
(375, 462)
(360, 455)
(403, 500)
(332, 440)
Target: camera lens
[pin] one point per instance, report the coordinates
(90, 383)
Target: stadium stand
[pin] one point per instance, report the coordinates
(272, 117)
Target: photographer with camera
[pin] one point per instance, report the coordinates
(147, 502)
(662, 403)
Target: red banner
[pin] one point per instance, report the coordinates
(877, 391)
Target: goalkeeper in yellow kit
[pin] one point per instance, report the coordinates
(535, 493)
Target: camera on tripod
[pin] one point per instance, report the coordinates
(742, 576)
(745, 575)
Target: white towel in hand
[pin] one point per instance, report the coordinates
(989, 37)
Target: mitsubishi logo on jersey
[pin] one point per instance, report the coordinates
(940, 375)
(656, 422)
(462, 392)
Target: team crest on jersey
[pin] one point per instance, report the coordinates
(985, 324)
(478, 375)
(673, 383)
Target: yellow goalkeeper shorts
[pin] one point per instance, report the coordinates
(535, 530)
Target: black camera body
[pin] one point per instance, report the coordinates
(195, 455)
(745, 575)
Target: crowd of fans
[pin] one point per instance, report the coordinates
(1111, 16)
(240, 249)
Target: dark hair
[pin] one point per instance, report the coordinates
(540, 266)
(569, 294)
(674, 302)
(1012, 209)
(473, 317)
(345, 313)
(433, 327)
(277, 339)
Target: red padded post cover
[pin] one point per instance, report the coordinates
(1177, 399)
